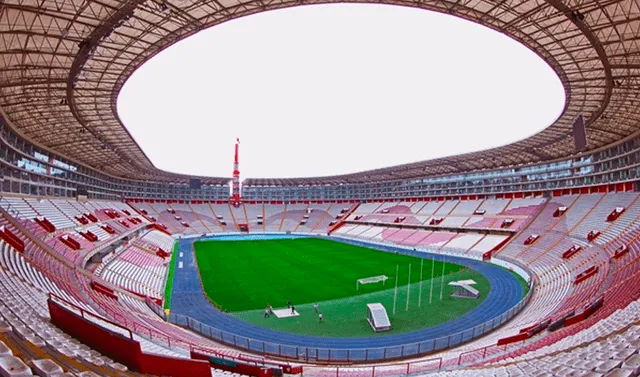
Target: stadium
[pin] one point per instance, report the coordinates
(519, 260)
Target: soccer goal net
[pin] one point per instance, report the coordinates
(370, 280)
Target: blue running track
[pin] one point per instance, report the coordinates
(189, 299)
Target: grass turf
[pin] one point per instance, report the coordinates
(169, 286)
(242, 277)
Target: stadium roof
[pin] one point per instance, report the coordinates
(64, 62)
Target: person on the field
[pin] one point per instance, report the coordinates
(315, 307)
(293, 309)
(266, 313)
(320, 317)
(288, 303)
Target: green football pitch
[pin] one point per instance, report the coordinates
(242, 277)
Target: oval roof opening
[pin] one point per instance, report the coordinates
(332, 89)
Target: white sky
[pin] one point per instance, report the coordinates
(332, 89)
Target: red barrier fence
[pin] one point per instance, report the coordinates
(45, 224)
(83, 220)
(170, 366)
(103, 290)
(69, 242)
(586, 274)
(89, 236)
(513, 339)
(620, 251)
(123, 349)
(573, 250)
(234, 366)
(111, 344)
(160, 227)
(10, 238)
(108, 229)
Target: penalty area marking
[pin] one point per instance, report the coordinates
(285, 313)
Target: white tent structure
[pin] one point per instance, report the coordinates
(378, 318)
(464, 289)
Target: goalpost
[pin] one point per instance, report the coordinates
(370, 280)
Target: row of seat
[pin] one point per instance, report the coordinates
(62, 213)
(216, 218)
(472, 244)
(478, 214)
(138, 268)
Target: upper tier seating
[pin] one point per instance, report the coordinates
(473, 244)
(273, 215)
(472, 214)
(68, 226)
(161, 212)
(466, 207)
(238, 214)
(223, 213)
(52, 212)
(293, 216)
(523, 207)
(186, 213)
(215, 218)
(255, 214)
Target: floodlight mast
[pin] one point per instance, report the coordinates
(236, 198)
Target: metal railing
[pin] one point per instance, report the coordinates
(10, 209)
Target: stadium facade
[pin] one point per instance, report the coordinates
(561, 206)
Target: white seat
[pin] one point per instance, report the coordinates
(632, 363)
(624, 354)
(118, 366)
(87, 374)
(607, 366)
(46, 368)
(589, 374)
(23, 331)
(36, 341)
(67, 352)
(4, 350)
(95, 361)
(11, 366)
(619, 373)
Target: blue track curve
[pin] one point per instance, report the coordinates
(189, 299)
